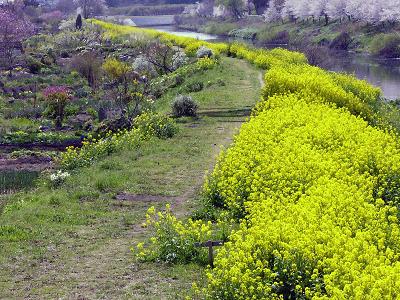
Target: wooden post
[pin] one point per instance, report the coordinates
(210, 254)
(210, 244)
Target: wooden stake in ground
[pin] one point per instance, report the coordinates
(210, 245)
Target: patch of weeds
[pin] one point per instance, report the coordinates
(194, 87)
(54, 200)
(106, 184)
(13, 233)
(206, 211)
(85, 195)
(110, 165)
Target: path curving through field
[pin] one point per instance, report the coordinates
(83, 252)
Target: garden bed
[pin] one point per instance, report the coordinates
(28, 163)
(61, 146)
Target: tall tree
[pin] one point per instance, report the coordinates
(371, 11)
(236, 7)
(273, 12)
(261, 5)
(66, 6)
(14, 30)
(336, 9)
(318, 8)
(91, 7)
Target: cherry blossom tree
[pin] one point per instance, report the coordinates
(301, 8)
(13, 30)
(318, 8)
(371, 11)
(336, 9)
(390, 11)
(272, 13)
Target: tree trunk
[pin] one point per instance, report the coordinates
(58, 123)
(85, 9)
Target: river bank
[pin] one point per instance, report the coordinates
(380, 40)
(384, 73)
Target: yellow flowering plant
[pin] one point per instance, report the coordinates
(173, 241)
(145, 126)
(302, 177)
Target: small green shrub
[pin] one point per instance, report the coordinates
(220, 28)
(159, 125)
(33, 65)
(184, 106)
(245, 33)
(194, 87)
(386, 45)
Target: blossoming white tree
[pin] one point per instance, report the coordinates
(272, 13)
(336, 9)
(318, 8)
(371, 11)
(390, 11)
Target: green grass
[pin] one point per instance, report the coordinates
(219, 28)
(14, 180)
(74, 242)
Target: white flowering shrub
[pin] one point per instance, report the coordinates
(179, 60)
(58, 178)
(144, 67)
(68, 24)
(272, 13)
(203, 52)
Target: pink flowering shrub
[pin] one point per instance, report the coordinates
(14, 30)
(53, 18)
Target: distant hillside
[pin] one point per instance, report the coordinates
(147, 10)
(149, 2)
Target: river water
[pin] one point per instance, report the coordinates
(382, 73)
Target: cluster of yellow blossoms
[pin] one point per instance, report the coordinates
(173, 240)
(190, 45)
(308, 178)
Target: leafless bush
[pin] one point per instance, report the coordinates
(88, 64)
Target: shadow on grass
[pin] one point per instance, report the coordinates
(228, 113)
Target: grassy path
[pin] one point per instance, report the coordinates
(74, 242)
